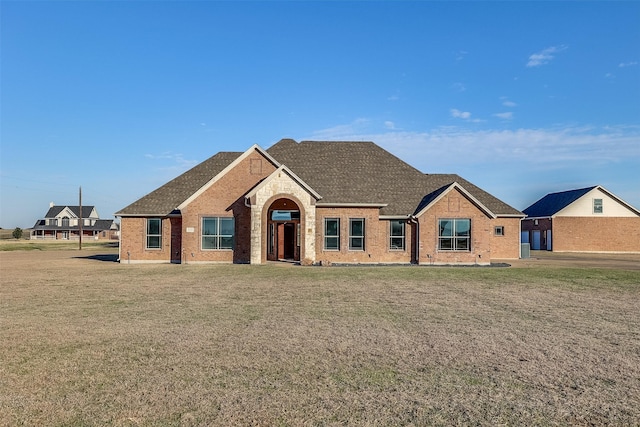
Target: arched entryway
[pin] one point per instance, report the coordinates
(283, 231)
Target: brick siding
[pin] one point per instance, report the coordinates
(592, 234)
(376, 242)
(455, 205)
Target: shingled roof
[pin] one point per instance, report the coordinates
(363, 172)
(55, 210)
(167, 198)
(344, 172)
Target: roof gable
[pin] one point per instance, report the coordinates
(553, 203)
(71, 211)
(165, 199)
(222, 173)
(179, 192)
(290, 174)
(431, 199)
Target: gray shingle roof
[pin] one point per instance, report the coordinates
(55, 210)
(99, 225)
(167, 198)
(363, 172)
(341, 172)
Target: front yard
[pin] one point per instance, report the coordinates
(90, 342)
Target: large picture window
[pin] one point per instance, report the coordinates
(356, 234)
(217, 233)
(454, 234)
(397, 235)
(154, 233)
(332, 234)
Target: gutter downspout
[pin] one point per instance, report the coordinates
(414, 220)
(520, 240)
(120, 241)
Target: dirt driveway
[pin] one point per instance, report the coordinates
(579, 260)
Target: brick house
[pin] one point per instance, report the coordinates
(317, 203)
(63, 223)
(588, 219)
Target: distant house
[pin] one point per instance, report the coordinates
(317, 202)
(588, 219)
(63, 223)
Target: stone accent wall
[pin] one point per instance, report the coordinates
(281, 185)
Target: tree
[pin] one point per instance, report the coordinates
(17, 233)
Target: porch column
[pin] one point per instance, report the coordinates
(256, 235)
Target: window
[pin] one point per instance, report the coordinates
(281, 215)
(65, 221)
(217, 233)
(154, 233)
(498, 230)
(272, 238)
(396, 235)
(332, 234)
(454, 234)
(597, 206)
(356, 234)
(53, 221)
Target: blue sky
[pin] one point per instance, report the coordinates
(520, 98)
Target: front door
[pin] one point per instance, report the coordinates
(289, 250)
(284, 247)
(283, 231)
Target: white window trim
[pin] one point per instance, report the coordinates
(601, 206)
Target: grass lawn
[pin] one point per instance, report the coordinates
(89, 342)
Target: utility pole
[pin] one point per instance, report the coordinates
(80, 220)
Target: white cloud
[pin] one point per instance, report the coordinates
(627, 64)
(178, 159)
(461, 54)
(346, 132)
(164, 155)
(390, 125)
(553, 146)
(504, 116)
(460, 114)
(507, 103)
(514, 164)
(544, 56)
(459, 87)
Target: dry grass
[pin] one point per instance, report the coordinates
(86, 342)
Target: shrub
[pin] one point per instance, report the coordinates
(17, 233)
